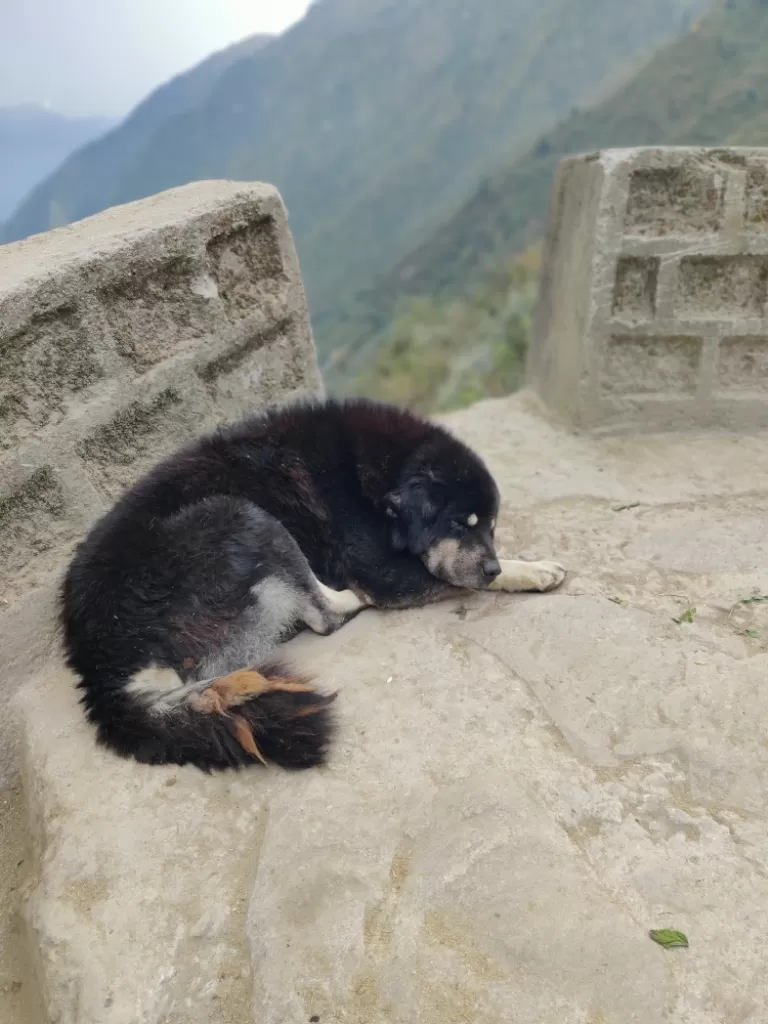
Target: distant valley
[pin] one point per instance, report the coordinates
(33, 142)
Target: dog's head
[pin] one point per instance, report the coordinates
(444, 511)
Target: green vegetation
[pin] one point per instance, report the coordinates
(669, 938)
(441, 354)
(708, 88)
(375, 119)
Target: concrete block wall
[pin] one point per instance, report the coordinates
(653, 310)
(122, 337)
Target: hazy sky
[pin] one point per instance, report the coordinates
(103, 56)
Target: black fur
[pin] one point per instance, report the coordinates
(182, 573)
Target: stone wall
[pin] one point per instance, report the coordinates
(653, 305)
(122, 337)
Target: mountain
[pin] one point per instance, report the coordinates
(33, 142)
(376, 119)
(84, 184)
(708, 88)
(442, 353)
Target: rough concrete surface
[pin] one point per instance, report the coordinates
(127, 334)
(121, 337)
(653, 308)
(521, 788)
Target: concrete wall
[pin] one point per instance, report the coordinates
(121, 337)
(653, 305)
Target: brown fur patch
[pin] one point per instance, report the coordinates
(443, 556)
(238, 687)
(208, 703)
(289, 686)
(245, 738)
(313, 709)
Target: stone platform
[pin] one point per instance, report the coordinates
(522, 787)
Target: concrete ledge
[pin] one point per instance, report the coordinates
(653, 305)
(125, 335)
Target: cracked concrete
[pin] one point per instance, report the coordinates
(522, 786)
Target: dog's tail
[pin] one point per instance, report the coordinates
(250, 716)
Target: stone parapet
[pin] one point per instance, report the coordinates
(652, 313)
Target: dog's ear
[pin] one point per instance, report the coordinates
(413, 509)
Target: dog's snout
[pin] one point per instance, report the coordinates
(491, 568)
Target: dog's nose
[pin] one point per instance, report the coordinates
(491, 568)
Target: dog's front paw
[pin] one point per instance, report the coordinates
(518, 577)
(549, 576)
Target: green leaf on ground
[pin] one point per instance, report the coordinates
(753, 633)
(669, 938)
(624, 508)
(616, 600)
(687, 616)
(755, 599)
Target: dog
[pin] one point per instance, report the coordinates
(300, 517)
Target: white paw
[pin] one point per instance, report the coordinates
(520, 577)
(342, 602)
(548, 575)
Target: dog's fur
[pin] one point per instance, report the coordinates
(300, 517)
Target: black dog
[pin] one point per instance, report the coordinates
(300, 517)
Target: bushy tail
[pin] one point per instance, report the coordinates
(265, 715)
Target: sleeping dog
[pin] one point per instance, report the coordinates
(300, 517)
